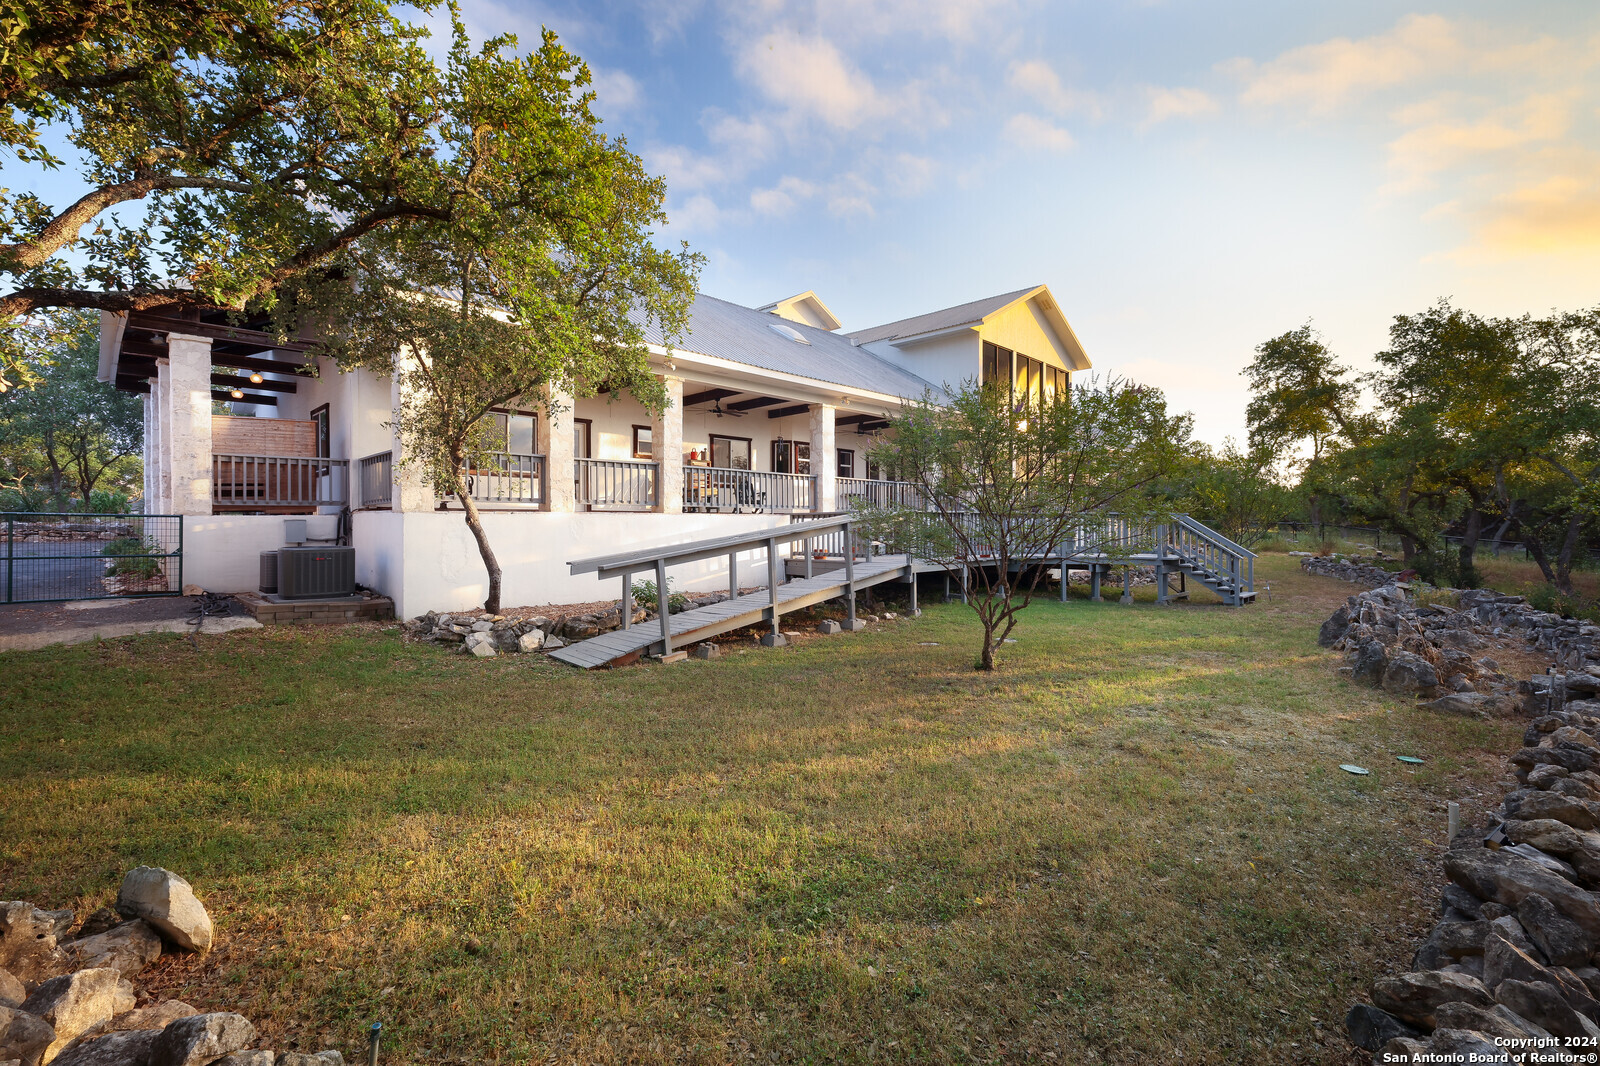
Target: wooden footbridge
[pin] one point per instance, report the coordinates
(815, 560)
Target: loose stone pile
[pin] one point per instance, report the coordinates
(489, 635)
(41, 532)
(1351, 569)
(67, 997)
(1511, 961)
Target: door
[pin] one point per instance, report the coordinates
(582, 433)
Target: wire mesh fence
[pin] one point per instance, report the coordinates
(89, 556)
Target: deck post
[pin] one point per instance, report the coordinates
(1127, 586)
(733, 575)
(1094, 584)
(627, 600)
(947, 586)
(772, 589)
(807, 545)
(1063, 578)
(915, 610)
(966, 576)
(663, 606)
(850, 579)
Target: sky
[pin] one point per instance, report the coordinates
(1188, 178)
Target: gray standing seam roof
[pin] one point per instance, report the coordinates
(725, 330)
(949, 318)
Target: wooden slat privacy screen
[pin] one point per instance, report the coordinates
(231, 435)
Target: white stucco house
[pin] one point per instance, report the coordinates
(773, 412)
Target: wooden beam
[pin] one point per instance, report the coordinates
(852, 420)
(751, 405)
(229, 381)
(785, 412)
(132, 384)
(249, 397)
(216, 331)
(708, 395)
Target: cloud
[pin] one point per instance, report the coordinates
(1034, 134)
(698, 214)
(811, 78)
(615, 91)
(781, 198)
(1440, 143)
(684, 168)
(1560, 214)
(1164, 103)
(1324, 75)
(1038, 80)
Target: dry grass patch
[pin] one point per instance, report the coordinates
(1132, 844)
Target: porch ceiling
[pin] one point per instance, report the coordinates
(243, 347)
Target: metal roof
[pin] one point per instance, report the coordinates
(966, 314)
(725, 330)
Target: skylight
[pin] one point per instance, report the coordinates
(787, 331)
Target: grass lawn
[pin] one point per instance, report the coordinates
(1133, 844)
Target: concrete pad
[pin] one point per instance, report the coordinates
(79, 634)
(706, 651)
(829, 627)
(855, 626)
(774, 640)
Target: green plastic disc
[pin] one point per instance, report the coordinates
(1352, 768)
(1412, 759)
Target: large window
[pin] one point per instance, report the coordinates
(791, 456)
(1023, 377)
(514, 431)
(730, 453)
(847, 463)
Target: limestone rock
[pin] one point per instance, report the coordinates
(75, 1002)
(321, 1058)
(201, 1039)
(1493, 1021)
(1507, 879)
(1414, 997)
(1372, 1028)
(247, 1058)
(1408, 674)
(1544, 1006)
(167, 902)
(1466, 704)
(1528, 806)
(11, 991)
(1546, 834)
(128, 948)
(1467, 1046)
(130, 1048)
(532, 640)
(482, 645)
(28, 943)
(1330, 633)
(24, 1036)
(103, 920)
(155, 1016)
(1561, 940)
(1371, 660)
(1400, 1049)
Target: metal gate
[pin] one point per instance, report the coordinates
(89, 556)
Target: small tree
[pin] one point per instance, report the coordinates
(1007, 484)
(1234, 490)
(543, 274)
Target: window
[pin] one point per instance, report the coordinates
(730, 453)
(514, 432)
(847, 463)
(324, 437)
(996, 365)
(643, 443)
(791, 456)
(582, 433)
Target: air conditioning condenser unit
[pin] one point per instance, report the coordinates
(316, 573)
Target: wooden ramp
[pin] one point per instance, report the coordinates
(702, 623)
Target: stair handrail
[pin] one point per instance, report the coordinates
(1205, 532)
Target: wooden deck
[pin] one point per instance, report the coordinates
(702, 623)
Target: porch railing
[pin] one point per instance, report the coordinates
(616, 484)
(375, 480)
(718, 488)
(246, 482)
(507, 477)
(871, 492)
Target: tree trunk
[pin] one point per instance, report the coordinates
(475, 523)
(1468, 573)
(1569, 546)
(1408, 548)
(1536, 551)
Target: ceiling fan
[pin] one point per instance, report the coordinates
(717, 410)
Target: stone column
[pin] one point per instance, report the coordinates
(148, 497)
(188, 440)
(410, 490)
(824, 460)
(555, 442)
(666, 436)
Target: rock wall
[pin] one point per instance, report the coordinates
(1352, 569)
(1509, 968)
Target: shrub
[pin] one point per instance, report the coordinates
(1273, 544)
(132, 555)
(1326, 548)
(645, 595)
